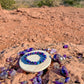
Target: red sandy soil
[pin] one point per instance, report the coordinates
(41, 25)
(44, 28)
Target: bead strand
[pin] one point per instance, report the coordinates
(38, 62)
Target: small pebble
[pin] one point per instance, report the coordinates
(2, 51)
(80, 54)
(3, 75)
(56, 65)
(77, 82)
(22, 45)
(10, 59)
(40, 73)
(12, 72)
(62, 80)
(19, 70)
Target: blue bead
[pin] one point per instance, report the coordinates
(26, 50)
(28, 54)
(30, 49)
(50, 56)
(41, 53)
(67, 79)
(21, 53)
(45, 56)
(43, 59)
(32, 63)
(27, 60)
(55, 56)
(33, 53)
(37, 62)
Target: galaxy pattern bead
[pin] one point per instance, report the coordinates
(42, 58)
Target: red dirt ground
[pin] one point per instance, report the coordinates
(41, 25)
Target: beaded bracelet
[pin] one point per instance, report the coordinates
(42, 58)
